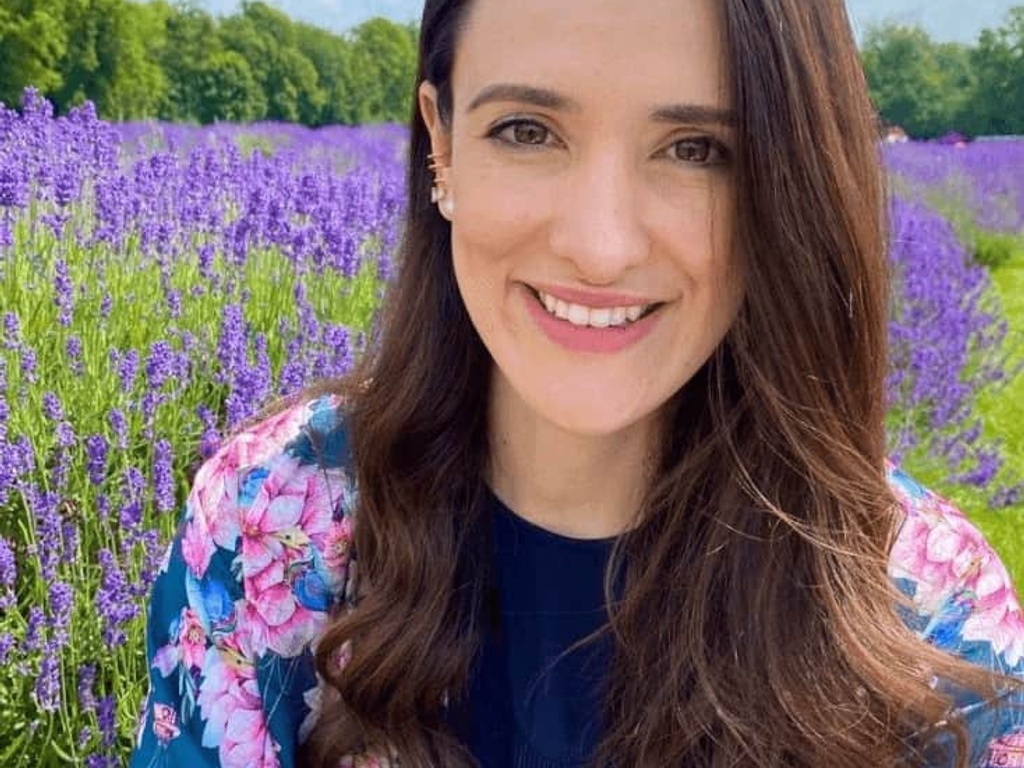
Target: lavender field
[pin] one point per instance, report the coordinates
(159, 283)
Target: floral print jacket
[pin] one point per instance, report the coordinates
(263, 552)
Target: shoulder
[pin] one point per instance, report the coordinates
(276, 498)
(964, 602)
(260, 561)
(943, 561)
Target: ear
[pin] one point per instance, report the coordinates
(440, 138)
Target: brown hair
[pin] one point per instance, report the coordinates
(758, 624)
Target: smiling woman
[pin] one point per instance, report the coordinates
(613, 474)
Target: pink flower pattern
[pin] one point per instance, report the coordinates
(265, 553)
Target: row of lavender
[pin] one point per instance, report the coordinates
(158, 283)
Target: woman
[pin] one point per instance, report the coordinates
(619, 451)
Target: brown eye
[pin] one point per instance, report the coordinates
(529, 133)
(522, 133)
(702, 151)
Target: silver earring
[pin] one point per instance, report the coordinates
(447, 204)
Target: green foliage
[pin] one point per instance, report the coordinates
(177, 62)
(998, 97)
(227, 89)
(932, 88)
(33, 45)
(908, 86)
(997, 249)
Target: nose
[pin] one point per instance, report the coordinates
(597, 223)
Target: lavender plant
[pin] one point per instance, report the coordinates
(159, 283)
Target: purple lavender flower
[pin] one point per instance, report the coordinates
(6, 646)
(292, 378)
(86, 681)
(108, 726)
(174, 303)
(52, 408)
(73, 348)
(8, 575)
(61, 597)
(231, 347)
(160, 364)
(205, 257)
(66, 186)
(127, 365)
(35, 631)
(12, 330)
(65, 435)
(103, 506)
(47, 687)
(14, 191)
(44, 508)
(114, 601)
(106, 305)
(119, 424)
(163, 477)
(134, 484)
(96, 458)
(64, 292)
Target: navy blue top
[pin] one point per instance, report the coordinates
(526, 707)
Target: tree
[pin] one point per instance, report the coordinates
(331, 56)
(266, 38)
(996, 102)
(908, 87)
(227, 90)
(33, 43)
(108, 58)
(383, 71)
(191, 38)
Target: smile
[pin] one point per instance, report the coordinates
(581, 328)
(593, 317)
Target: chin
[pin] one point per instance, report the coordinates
(597, 417)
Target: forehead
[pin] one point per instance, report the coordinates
(609, 51)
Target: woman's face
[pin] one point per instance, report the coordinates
(591, 173)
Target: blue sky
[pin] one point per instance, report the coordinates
(959, 20)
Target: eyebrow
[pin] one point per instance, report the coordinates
(548, 99)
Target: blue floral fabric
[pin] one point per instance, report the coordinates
(264, 551)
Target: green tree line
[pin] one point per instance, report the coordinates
(930, 88)
(177, 62)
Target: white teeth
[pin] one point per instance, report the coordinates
(600, 318)
(577, 314)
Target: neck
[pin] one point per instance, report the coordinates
(582, 486)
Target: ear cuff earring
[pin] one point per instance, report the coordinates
(438, 165)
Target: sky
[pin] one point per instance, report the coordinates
(944, 20)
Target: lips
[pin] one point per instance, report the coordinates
(615, 316)
(584, 337)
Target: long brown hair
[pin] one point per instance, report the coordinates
(757, 624)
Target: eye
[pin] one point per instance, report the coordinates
(520, 132)
(701, 150)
